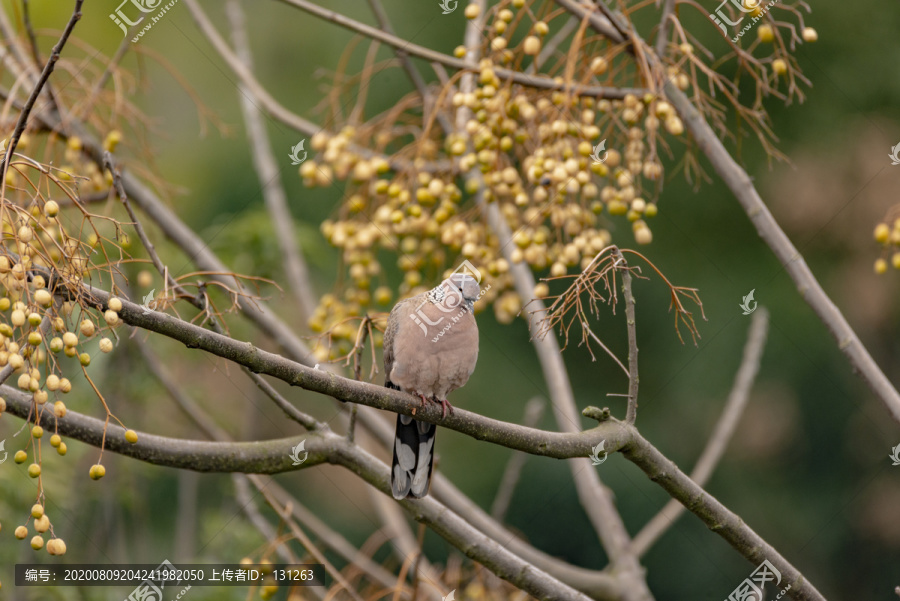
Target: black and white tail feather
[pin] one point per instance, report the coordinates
(413, 456)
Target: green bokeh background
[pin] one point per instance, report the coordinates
(808, 468)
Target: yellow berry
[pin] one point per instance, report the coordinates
(58, 546)
(20, 456)
(43, 298)
(87, 328)
(531, 45)
(810, 35)
(62, 448)
(35, 338)
(115, 304)
(51, 208)
(643, 235)
(37, 510)
(34, 470)
(59, 409)
(106, 345)
(37, 432)
(55, 441)
(65, 385)
(779, 65)
(97, 471)
(37, 543)
(21, 532)
(145, 279)
(85, 359)
(42, 524)
(882, 233)
(472, 11)
(881, 266)
(895, 260)
(131, 436)
(111, 317)
(766, 33)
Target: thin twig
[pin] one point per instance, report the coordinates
(633, 375)
(721, 435)
(531, 81)
(35, 93)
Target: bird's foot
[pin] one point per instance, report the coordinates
(445, 405)
(424, 400)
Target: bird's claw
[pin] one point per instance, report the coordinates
(445, 405)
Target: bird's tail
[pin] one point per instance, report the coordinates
(413, 458)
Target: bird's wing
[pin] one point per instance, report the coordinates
(399, 313)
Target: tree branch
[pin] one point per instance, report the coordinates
(269, 174)
(36, 92)
(532, 81)
(716, 516)
(724, 430)
(771, 233)
(271, 457)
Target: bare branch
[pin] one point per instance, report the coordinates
(269, 174)
(743, 189)
(633, 376)
(267, 456)
(724, 430)
(39, 85)
(532, 81)
(716, 516)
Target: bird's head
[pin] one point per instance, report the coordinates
(465, 285)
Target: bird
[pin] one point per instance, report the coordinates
(430, 350)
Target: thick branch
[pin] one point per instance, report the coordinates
(262, 457)
(716, 516)
(537, 442)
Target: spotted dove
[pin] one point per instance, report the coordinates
(430, 349)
